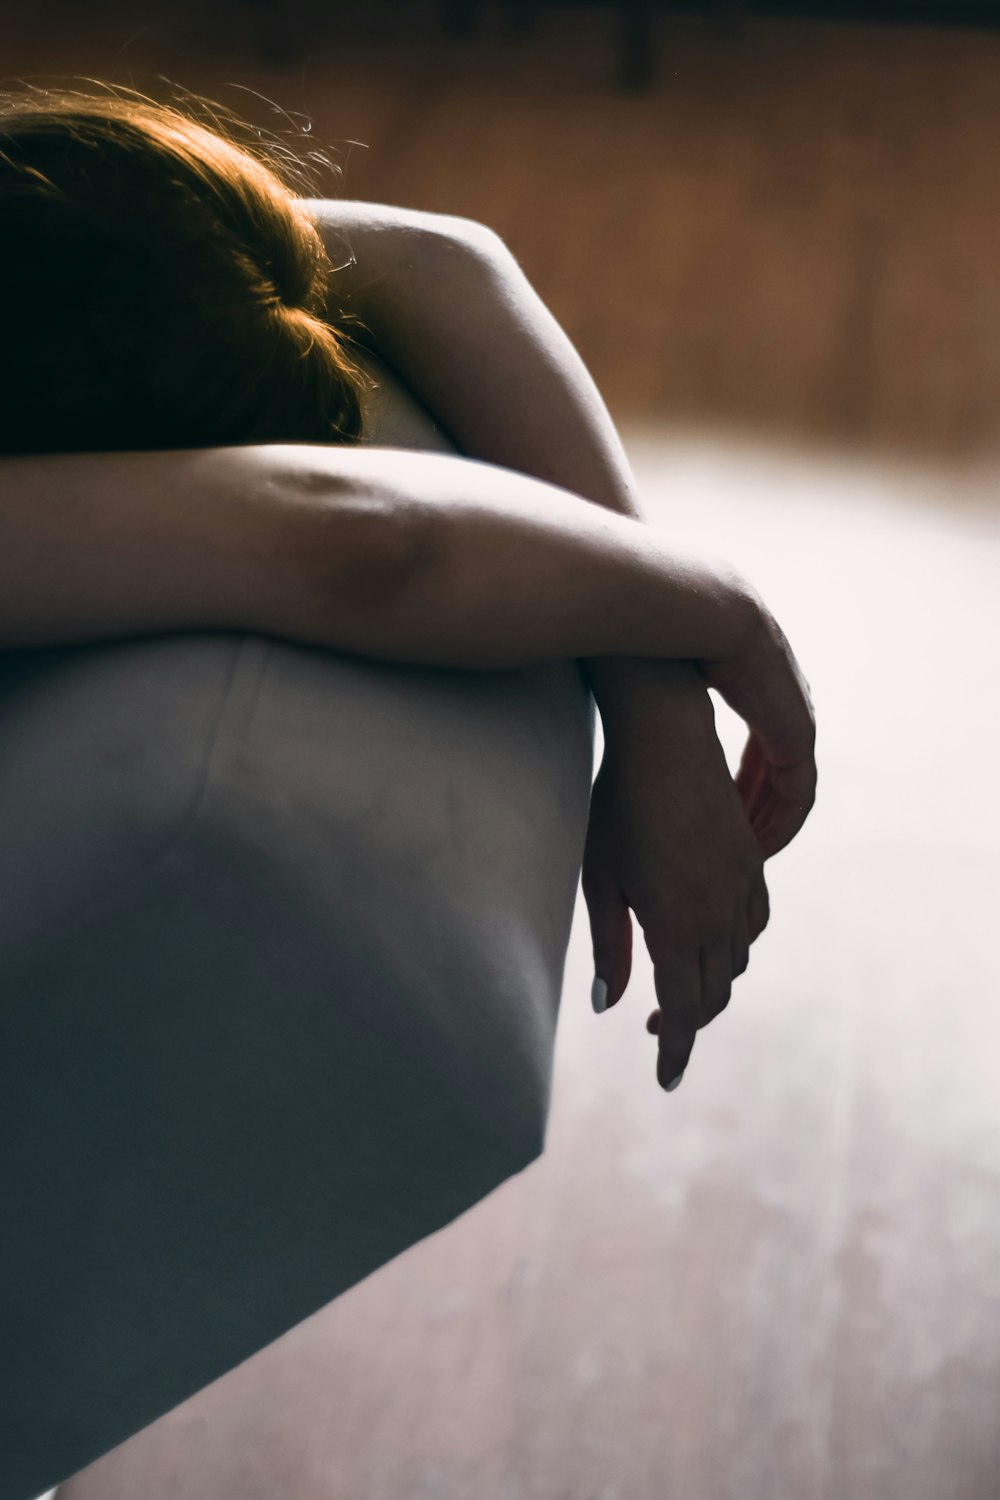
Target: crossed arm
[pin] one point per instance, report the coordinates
(451, 311)
(448, 308)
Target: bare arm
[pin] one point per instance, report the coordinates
(447, 306)
(390, 553)
(386, 553)
(102, 545)
(459, 320)
(669, 834)
(450, 309)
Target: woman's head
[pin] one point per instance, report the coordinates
(164, 286)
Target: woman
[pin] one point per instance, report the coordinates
(184, 433)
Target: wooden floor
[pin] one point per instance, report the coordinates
(781, 1282)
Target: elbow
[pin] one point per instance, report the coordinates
(344, 551)
(366, 561)
(473, 236)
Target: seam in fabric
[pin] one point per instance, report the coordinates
(178, 834)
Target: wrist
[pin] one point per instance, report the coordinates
(637, 694)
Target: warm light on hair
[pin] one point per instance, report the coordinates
(164, 284)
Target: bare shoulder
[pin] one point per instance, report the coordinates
(340, 218)
(377, 249)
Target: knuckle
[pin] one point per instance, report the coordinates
(714, 1009)
(718, 930)
(668, 943)
(758, 916)
(710, 922)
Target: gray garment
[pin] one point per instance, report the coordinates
(282, 938)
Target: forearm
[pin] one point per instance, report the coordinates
(388, 553)
(504, 571)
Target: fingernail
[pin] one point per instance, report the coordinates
(675, 1081)
(599, 995)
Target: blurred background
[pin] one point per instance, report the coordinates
(771, 231)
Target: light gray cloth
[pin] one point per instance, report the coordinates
(282, 938)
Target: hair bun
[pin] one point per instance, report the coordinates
(178, 286)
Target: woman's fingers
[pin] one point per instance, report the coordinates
(611, 938)
(740, 943)
(751, 778)
(758, 912)
(789, 797)
(719, 965)
(715, 991)
(765, 685)
(677, 978)
(716, 981)
(777, 799)
(693, 986)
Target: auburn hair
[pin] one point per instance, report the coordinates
(164, 286)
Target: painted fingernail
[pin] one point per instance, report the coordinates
(674, 1082)
(599, 995)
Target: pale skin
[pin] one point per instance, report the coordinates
(671, 835)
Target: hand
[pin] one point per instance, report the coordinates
(777, 777)
(777, 799)
(669, 838)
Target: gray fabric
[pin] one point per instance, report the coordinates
(282, 936)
